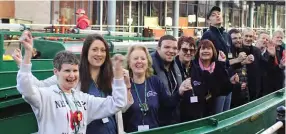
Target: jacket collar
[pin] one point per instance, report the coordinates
(161, 61)
(215, 29)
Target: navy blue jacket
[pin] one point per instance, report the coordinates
(155, 98)
(97, 126)
(221, 39)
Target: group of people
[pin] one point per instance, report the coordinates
(180, 81)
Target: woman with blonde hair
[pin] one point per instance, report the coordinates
(148, 92)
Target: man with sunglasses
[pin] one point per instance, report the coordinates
(186, 46)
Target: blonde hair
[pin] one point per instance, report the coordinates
(149, 71)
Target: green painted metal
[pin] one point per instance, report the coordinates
(1, 48)
(20, 124)
(252, 118)
(37, 34)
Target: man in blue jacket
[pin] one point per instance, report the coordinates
(222, 42)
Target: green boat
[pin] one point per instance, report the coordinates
(16, 116)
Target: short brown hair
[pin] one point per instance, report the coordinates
(189, 40)
(206, 44)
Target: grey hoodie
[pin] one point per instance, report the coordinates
(52, 112)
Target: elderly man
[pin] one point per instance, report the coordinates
(260, 63)
(279, 60)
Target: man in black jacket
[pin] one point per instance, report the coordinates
(280, 62)
(255, 69)
(169, 73)
(222, 42)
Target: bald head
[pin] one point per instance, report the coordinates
(247, 36)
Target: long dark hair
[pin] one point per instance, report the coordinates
(105, 75)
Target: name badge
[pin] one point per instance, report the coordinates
(105, 120)
(143, 127)
(229, 55)
(194, 99)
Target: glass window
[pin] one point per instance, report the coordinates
(202, 15)
(183, 9)
(192, 12)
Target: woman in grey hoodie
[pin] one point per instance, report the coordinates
(60, 106)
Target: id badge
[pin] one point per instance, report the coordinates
(105, 120)
(194, 99)
(143, 127)
(229, 55)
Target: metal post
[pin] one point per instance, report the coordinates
(281, 118)
(101, 14)
(111, 19)
(130, 22)
(221, 7)
(89, 8)
(251, 14)
(75, 12)
(274, 17)
(98, 13)
(176, 14)
(165, 12)
(1, 49)
(243, 4)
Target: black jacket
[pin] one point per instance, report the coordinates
(255, 70)
(167, 116)
(184, 71)
(216, 83)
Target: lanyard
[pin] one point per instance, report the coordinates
(143, 106)
(228, 46)
(100, 92)
(174, 88)
(185, 70)
(67, 101)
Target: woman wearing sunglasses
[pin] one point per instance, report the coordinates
(186, 53)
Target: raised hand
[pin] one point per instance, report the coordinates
(126, 78)
(27, 41)
(17, 56)
(234, 79)
(185, 86)
(221, 56)
(118, 67)
(271, 49)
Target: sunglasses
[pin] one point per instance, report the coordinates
(185, 50)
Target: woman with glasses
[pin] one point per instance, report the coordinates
(186, 53)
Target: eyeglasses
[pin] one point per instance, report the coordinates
(185, 50)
